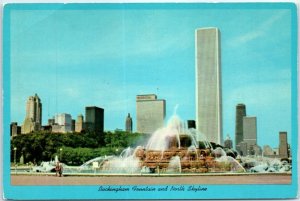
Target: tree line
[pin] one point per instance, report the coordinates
(71, 148)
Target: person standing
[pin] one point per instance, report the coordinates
(60, 169)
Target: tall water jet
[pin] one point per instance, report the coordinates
(56, 159)
(166, 137)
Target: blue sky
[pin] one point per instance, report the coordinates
(105, 57)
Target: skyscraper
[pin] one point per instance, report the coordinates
(128, 123)
(150, 113)
(79, 125)
(33, 118)
(94, 119)
(283, 145)
(250, 131)
(14, 129)
(208, 84)
(239, 115)
(73, 125)
(63, 123)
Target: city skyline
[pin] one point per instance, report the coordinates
(101, 63)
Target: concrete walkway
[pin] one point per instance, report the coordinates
(51, 179)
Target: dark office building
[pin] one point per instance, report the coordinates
(240, 113)
(128, 123)
(283, 145)
(191, 124)
(73, 125)
(94, 119)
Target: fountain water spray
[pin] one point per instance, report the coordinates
(174, 149)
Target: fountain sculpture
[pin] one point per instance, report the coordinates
(171, 149)
(175, 149)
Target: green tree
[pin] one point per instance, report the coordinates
(77, 147)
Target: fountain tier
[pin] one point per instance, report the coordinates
(189, 158)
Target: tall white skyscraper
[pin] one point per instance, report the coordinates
(150, 113)
(208, 84)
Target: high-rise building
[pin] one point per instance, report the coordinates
(150, 113)
(250, 131)
(33, 118)
(283, 145)
(73, 125)
(128, 123)
(34, 109)
(94, 119)
(63, 123)
(14, 129)
(79, 125)
(239, 115)
(191, 124)
(208, 84)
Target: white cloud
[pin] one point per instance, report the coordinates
(249, 36)
(260, 30)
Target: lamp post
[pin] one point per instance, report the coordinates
(15, 158)
(15, 155)
(60, 154)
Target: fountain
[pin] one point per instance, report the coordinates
(171, 149)
(175, 149)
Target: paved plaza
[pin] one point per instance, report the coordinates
(51, 179)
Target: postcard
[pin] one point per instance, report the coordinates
(150, 101)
